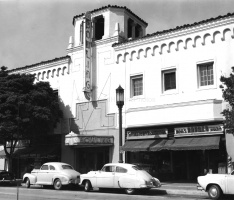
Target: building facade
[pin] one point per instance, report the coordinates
(172, 121)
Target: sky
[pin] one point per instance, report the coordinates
(32, 31)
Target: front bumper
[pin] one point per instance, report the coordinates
(199, 187)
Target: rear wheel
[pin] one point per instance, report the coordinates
(87, 186)
(58, 184)
(214, 192)
(27, 183)
(130, 191)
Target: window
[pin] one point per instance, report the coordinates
(136, 85)
(67, 167)
(121, 170)
(44, 167)
(99, 27)
(52, 167)
(206, 74)
(169, 80)
(108, 169)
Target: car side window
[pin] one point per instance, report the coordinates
(108, 169)
(44, 167)
(121, 170)
(52, 167)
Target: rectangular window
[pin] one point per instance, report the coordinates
(136, 85)
(206, 74)
(169, 80)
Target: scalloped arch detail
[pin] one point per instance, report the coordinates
(179, 44)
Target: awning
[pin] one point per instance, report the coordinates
(189, 143)
(137, 145)
(43, 151)
(176, 144)
(3, 154)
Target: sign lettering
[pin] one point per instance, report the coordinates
(199, 129)
(147, 133)
(87, 55)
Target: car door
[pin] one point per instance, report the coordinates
(105, 177)
(42, 174)
(119, 172)
(230, 183)
(49, 177)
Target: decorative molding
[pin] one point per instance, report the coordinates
(173, 105)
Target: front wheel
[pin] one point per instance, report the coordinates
(58, 184)
(27, 183)
(87, 186)
(214, 192)
(130, 191)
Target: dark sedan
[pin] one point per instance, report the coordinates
(6, 177)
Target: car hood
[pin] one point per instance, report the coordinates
(215, 176)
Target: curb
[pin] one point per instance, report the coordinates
(182, 192)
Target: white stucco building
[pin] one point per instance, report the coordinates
(172, 119)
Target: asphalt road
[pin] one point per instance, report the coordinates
(10, 193)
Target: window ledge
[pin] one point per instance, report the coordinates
(136, 97)
(210, 87)
(170, 92)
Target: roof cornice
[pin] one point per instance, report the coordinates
(178, 31)
(42, 65)
(107, 7)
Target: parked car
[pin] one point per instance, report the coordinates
(52, 173)
(7, 177)
(216, 184)
(119, 175)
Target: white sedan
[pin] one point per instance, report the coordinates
(52, 173)
(216, 184)
(119, 175)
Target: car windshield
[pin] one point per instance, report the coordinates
(67, 167)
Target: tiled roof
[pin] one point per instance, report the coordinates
(158, 33)
(110, 6)
(41, 63)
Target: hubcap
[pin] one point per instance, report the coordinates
(213, 192)
(58, 184)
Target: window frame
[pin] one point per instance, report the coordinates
(132, 78)
(168, 71)
(198, 66)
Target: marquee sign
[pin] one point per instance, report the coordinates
(150, 133)
(75, 139)
(193, 130)
(87, 55)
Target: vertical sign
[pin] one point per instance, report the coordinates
(87, 55)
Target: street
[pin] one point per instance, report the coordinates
(10, 193)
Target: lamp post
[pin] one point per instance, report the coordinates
(120, 103)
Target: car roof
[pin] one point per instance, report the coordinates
(127, 165)
(55, 163)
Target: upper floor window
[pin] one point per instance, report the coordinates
(99, 27)
(206, 74)
(136, 85)
(169, 80)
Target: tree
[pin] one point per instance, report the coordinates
(228, 95)
(27, 110)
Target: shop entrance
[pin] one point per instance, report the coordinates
(91, 158)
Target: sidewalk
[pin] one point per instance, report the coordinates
(181, 188)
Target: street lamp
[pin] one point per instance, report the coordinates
(120, 103)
